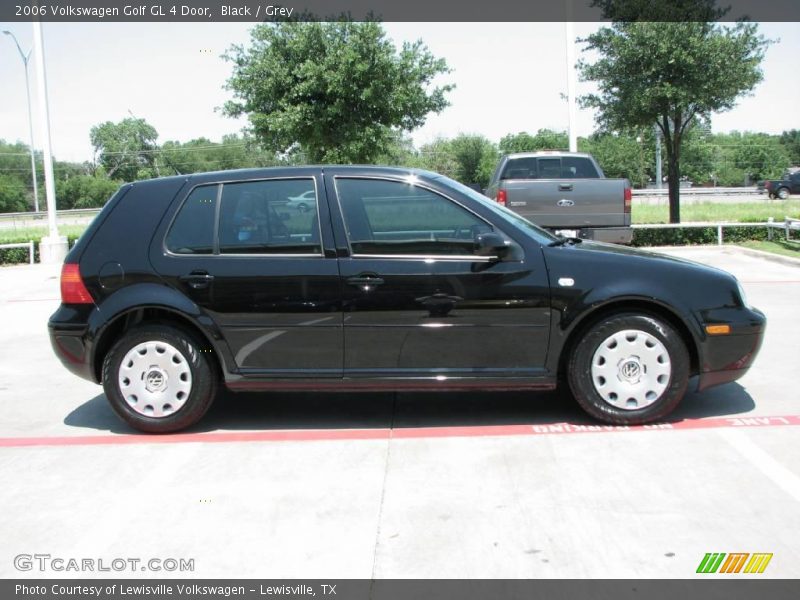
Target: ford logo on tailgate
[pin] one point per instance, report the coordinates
(565, 202)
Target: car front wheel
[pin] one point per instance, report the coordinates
(159, 379)
(629, 369)
(783, 193)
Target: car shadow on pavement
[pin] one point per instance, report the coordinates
(286, 411)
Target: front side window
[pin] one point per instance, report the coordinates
(391, 217)
(192, 232)
(277, 216)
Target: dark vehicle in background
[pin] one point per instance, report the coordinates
(392, 279)
(565, 192)
(782, 188)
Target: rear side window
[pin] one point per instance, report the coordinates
(277, 216)
(192, 232)
(392, 217)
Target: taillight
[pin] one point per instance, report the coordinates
(72, 289)
(502, 196)
(628, 196)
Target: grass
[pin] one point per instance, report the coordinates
(11, 236)
(791, 248)
(744, 212)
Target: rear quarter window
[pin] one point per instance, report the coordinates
(192, 231)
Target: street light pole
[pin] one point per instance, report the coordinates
(25, 58)
(53, 247)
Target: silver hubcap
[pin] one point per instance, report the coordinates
(155, 379)
(631, 369)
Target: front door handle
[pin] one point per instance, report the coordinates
(365, 281)
(197, 280)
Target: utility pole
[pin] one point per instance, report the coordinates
(53, 247)
(25, 58)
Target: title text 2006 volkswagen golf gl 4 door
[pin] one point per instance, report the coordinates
(386, 279)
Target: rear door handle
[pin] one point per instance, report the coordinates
(197, 279)
(365, 281)
(564, 187)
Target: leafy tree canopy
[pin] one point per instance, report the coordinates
(339, 90)
(124, 148)
(669, 73)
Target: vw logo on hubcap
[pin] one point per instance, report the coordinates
(630, 370)
(155, 380)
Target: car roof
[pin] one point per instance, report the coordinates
(256, 173)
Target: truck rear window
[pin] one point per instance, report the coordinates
(567, 167)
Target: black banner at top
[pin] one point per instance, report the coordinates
(209, 11)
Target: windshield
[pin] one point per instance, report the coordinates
(540, 235)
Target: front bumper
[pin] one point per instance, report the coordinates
(726, 358)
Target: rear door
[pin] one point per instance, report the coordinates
(417, 300)
(263, 269)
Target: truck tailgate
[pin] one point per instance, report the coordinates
(568, 202)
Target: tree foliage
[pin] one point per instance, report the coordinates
(125, 148)
(338, 91)
(674, 74)
(84, 191)
(545, 139)
(13, 197)
(790, 140)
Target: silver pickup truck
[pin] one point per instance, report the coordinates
(565, 192)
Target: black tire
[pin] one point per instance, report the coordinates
(582, 382)
(783, 193)
(203, 380)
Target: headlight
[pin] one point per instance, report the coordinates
(742, 295)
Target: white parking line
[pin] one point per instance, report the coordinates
(780, 475)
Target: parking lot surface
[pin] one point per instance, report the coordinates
(402, 485)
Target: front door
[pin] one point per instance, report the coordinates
(418, 301)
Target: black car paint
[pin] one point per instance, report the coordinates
(434, 323)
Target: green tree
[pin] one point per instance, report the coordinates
(475, 158)
(339, 91)
(761, 156)
(545, 139)
(84, 191)
(670, 73)
(13, 197)
(791, 142)
(622, 155)
(125, 148)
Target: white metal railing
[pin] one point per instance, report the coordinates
(788, 225)
(701, 191)
(28, 245)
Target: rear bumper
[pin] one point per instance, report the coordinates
(69, 340)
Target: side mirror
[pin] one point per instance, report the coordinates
(491, 244)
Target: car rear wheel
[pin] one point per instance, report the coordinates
(629, 369)
(783, 193)
(159, 379)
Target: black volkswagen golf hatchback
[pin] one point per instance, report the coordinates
(379, 279)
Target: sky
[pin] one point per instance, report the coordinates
(509, 77)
